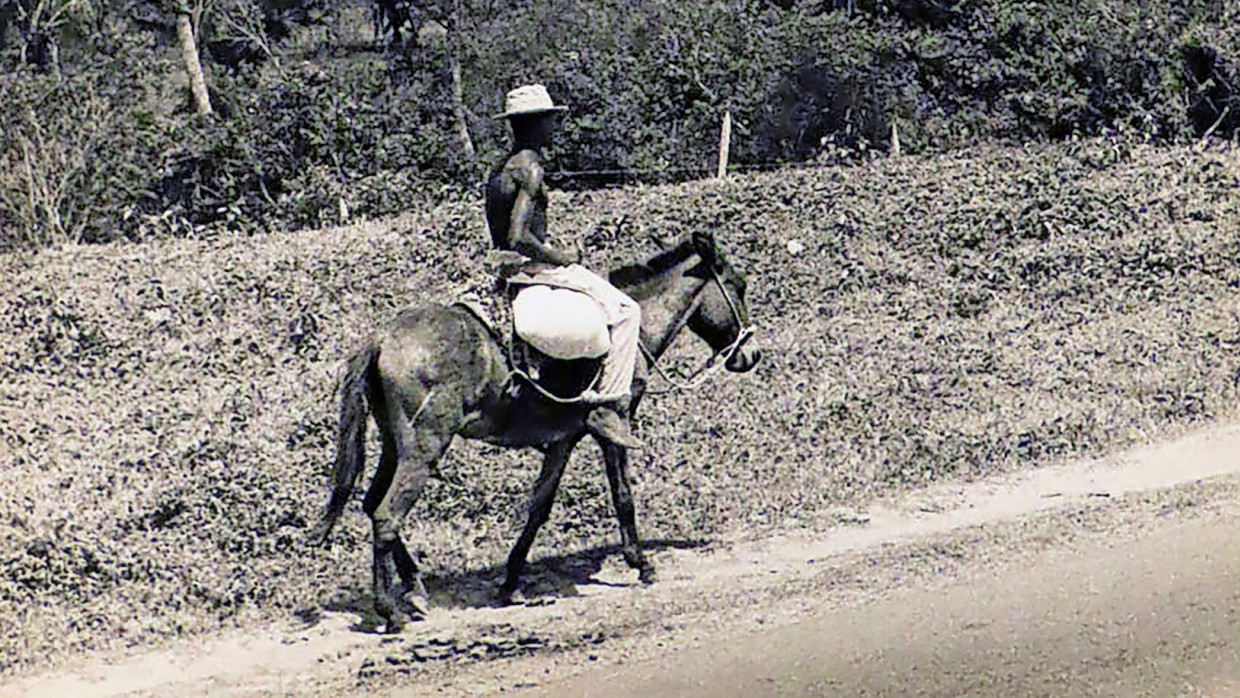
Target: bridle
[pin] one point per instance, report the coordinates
(712, 365)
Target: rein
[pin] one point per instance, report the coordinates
(712, 365)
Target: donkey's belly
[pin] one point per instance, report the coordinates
(524, 422)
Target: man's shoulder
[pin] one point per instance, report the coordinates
(524, 166)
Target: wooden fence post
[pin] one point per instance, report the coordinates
(725, 144)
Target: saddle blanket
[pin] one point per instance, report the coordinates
(558, 322)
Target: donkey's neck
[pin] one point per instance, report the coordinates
(667, 296)
(665, 315)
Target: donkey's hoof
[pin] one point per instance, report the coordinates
(647, 575)
(396, 624)
(509, 597)
(410, 609)
(416, 606)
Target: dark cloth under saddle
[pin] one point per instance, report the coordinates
(566, 379)
(494, 311)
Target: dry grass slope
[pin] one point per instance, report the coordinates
(166, 410)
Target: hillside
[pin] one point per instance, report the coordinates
(167, 408)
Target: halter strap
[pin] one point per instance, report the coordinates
(712, 366)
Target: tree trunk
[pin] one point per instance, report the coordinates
(454, 71)
(7, 11)
(458, 102)
(197, 83)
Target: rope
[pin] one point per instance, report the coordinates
(516, 371)
(426, 401)
(703, 374)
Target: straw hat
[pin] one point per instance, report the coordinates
(528, 99)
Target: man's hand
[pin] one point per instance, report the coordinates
(542, 252)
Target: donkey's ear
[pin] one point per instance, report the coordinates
(704, 244)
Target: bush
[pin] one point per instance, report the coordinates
(297, 141)
(647, 89)
(92, 154)
(78, 149)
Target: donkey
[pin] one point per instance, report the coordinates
(441, 371)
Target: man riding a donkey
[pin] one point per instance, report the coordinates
(440, 371)
(517, 217)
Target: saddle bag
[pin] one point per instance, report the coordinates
(560, 323)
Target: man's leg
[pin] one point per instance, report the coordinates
(620, 362)
(610, 417)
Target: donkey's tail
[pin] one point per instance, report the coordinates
(350, 439)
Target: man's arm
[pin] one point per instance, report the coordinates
(525, 242)
(520, 236)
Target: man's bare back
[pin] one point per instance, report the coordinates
(522, 171)
(516, 210)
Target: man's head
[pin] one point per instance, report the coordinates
(532, 114)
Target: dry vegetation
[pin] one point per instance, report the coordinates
(166, 410)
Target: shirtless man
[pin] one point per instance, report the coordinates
(517, 218)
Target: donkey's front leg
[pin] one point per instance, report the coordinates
(617, 459)
(554, 461)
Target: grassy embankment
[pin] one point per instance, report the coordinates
(167, 410)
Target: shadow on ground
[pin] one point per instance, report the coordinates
(544, 580)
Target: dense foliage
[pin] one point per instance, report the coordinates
(317, 121)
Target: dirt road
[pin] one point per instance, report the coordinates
(1158, 616)
(1112, 577)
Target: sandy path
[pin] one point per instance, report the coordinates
(921, 542)
(1159, 616)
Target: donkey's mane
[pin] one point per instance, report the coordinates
(633, 276)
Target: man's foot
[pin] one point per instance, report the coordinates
(611, 422)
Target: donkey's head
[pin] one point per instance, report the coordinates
(692, 285)
(721, 315)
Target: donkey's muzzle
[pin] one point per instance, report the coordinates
(744, 359)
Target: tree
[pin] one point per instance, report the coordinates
(7, 11)
(451, 48)
(433, 22)
(189, 52)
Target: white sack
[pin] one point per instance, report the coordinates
(560, 323)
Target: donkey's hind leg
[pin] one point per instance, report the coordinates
(409, 452)
(407, 567)
(617, 460)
